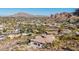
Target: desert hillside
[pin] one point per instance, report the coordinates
(26, 32)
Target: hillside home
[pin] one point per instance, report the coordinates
(40, 41)
(16, 31)
(1, 27)
(64, 31)
(77, 33)
(2, 37)
(11, 36)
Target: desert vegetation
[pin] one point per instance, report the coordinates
(59, 32)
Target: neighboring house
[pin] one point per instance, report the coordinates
(53, 31)
(17, 31)
(11, 36)
(64, 31)
(1, 27)
(40, 41)
(77, 33)
(2, 37)
(70, 26)
(24, 34)
(77, 25)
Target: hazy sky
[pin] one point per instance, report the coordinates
(34, 11)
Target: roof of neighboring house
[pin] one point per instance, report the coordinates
(77, 32)
(2, 37)
(44, 38)
(1, 25)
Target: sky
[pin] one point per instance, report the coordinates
(34, 11)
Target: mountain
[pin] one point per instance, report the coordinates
(22, 14)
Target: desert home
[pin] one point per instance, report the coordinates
(40, 41)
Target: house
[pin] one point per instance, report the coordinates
(64, 31)
(11, 36)
(77, 33)
(40, 41)
(1, 26)
(24, 34)
(77, 24)
(53, 31)
(17, 30)
(2, 37)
